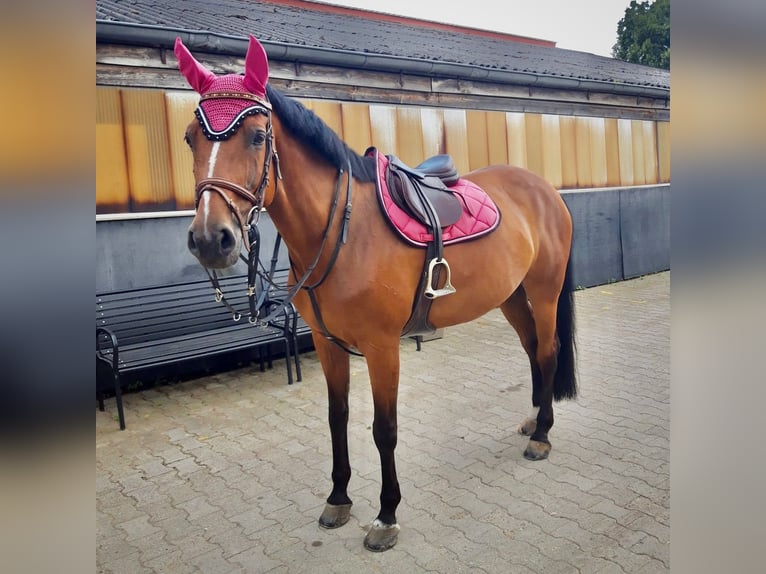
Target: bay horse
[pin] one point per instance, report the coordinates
(353, 279)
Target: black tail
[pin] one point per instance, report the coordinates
(565, 380)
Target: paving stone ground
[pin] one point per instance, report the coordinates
(228, 473)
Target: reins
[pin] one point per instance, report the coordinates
(253, 273)
(342, 238)
(253, 247)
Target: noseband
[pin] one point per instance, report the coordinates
(221, 186)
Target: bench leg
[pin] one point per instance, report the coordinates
(261, 362)
(100, 398)
(296, 354)
(298, 375)
(118, 399)
(288, 361)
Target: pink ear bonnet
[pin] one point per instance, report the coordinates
(226, 100)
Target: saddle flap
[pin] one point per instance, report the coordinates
(445, 204)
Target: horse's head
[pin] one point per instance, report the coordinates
(233, 147)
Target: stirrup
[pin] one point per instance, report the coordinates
(448, 289)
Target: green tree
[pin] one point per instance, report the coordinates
(643, 34)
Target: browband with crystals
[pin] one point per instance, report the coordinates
(235, 95)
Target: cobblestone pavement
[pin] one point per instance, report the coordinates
(228, 473)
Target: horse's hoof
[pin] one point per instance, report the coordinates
(537, 450)
(335, 515)
(381, 536)
(527, 426)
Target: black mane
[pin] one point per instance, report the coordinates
(310, 129)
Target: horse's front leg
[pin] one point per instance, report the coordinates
(383, 366)
(335, 365)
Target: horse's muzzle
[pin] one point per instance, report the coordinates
(216, 247)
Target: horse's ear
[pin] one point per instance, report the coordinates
(198, 76)
(256, 68)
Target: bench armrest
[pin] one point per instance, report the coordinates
(113, 339)
(289, 312)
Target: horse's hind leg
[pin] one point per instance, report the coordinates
(517, 312)
(336, 368)
(537, 330)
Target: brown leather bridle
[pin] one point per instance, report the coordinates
(248, 226)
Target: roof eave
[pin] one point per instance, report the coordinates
(164, 37)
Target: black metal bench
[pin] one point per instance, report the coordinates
(143, 328)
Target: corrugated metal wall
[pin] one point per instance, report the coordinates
(142, 163)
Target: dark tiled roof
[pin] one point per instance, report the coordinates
(320, 28)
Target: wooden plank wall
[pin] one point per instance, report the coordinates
(142, 163)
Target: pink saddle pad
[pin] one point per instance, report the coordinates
(480, 214)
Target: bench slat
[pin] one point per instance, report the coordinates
(157, 313)
(143, 355)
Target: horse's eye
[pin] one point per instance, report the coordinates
(259, 138)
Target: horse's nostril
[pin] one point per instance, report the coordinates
(227, 240)
(190, 243)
